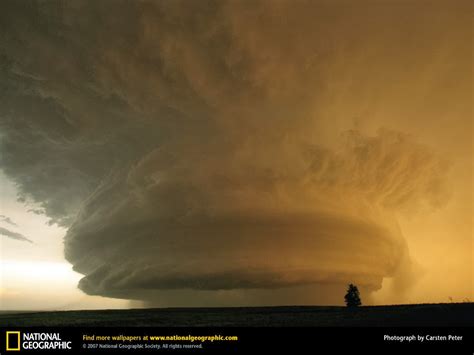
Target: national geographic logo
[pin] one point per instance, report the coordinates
(16, 341)
(13, 341)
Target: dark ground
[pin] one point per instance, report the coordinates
(448, 314)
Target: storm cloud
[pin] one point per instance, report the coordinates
(199, 146)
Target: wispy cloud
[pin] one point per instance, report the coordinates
(7, 220)
(14, 235)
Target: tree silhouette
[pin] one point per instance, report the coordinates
(352, 297)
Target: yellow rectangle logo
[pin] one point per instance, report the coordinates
(11, 339)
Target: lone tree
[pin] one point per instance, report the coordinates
(352, 297)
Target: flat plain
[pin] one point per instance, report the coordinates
(437, 315)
